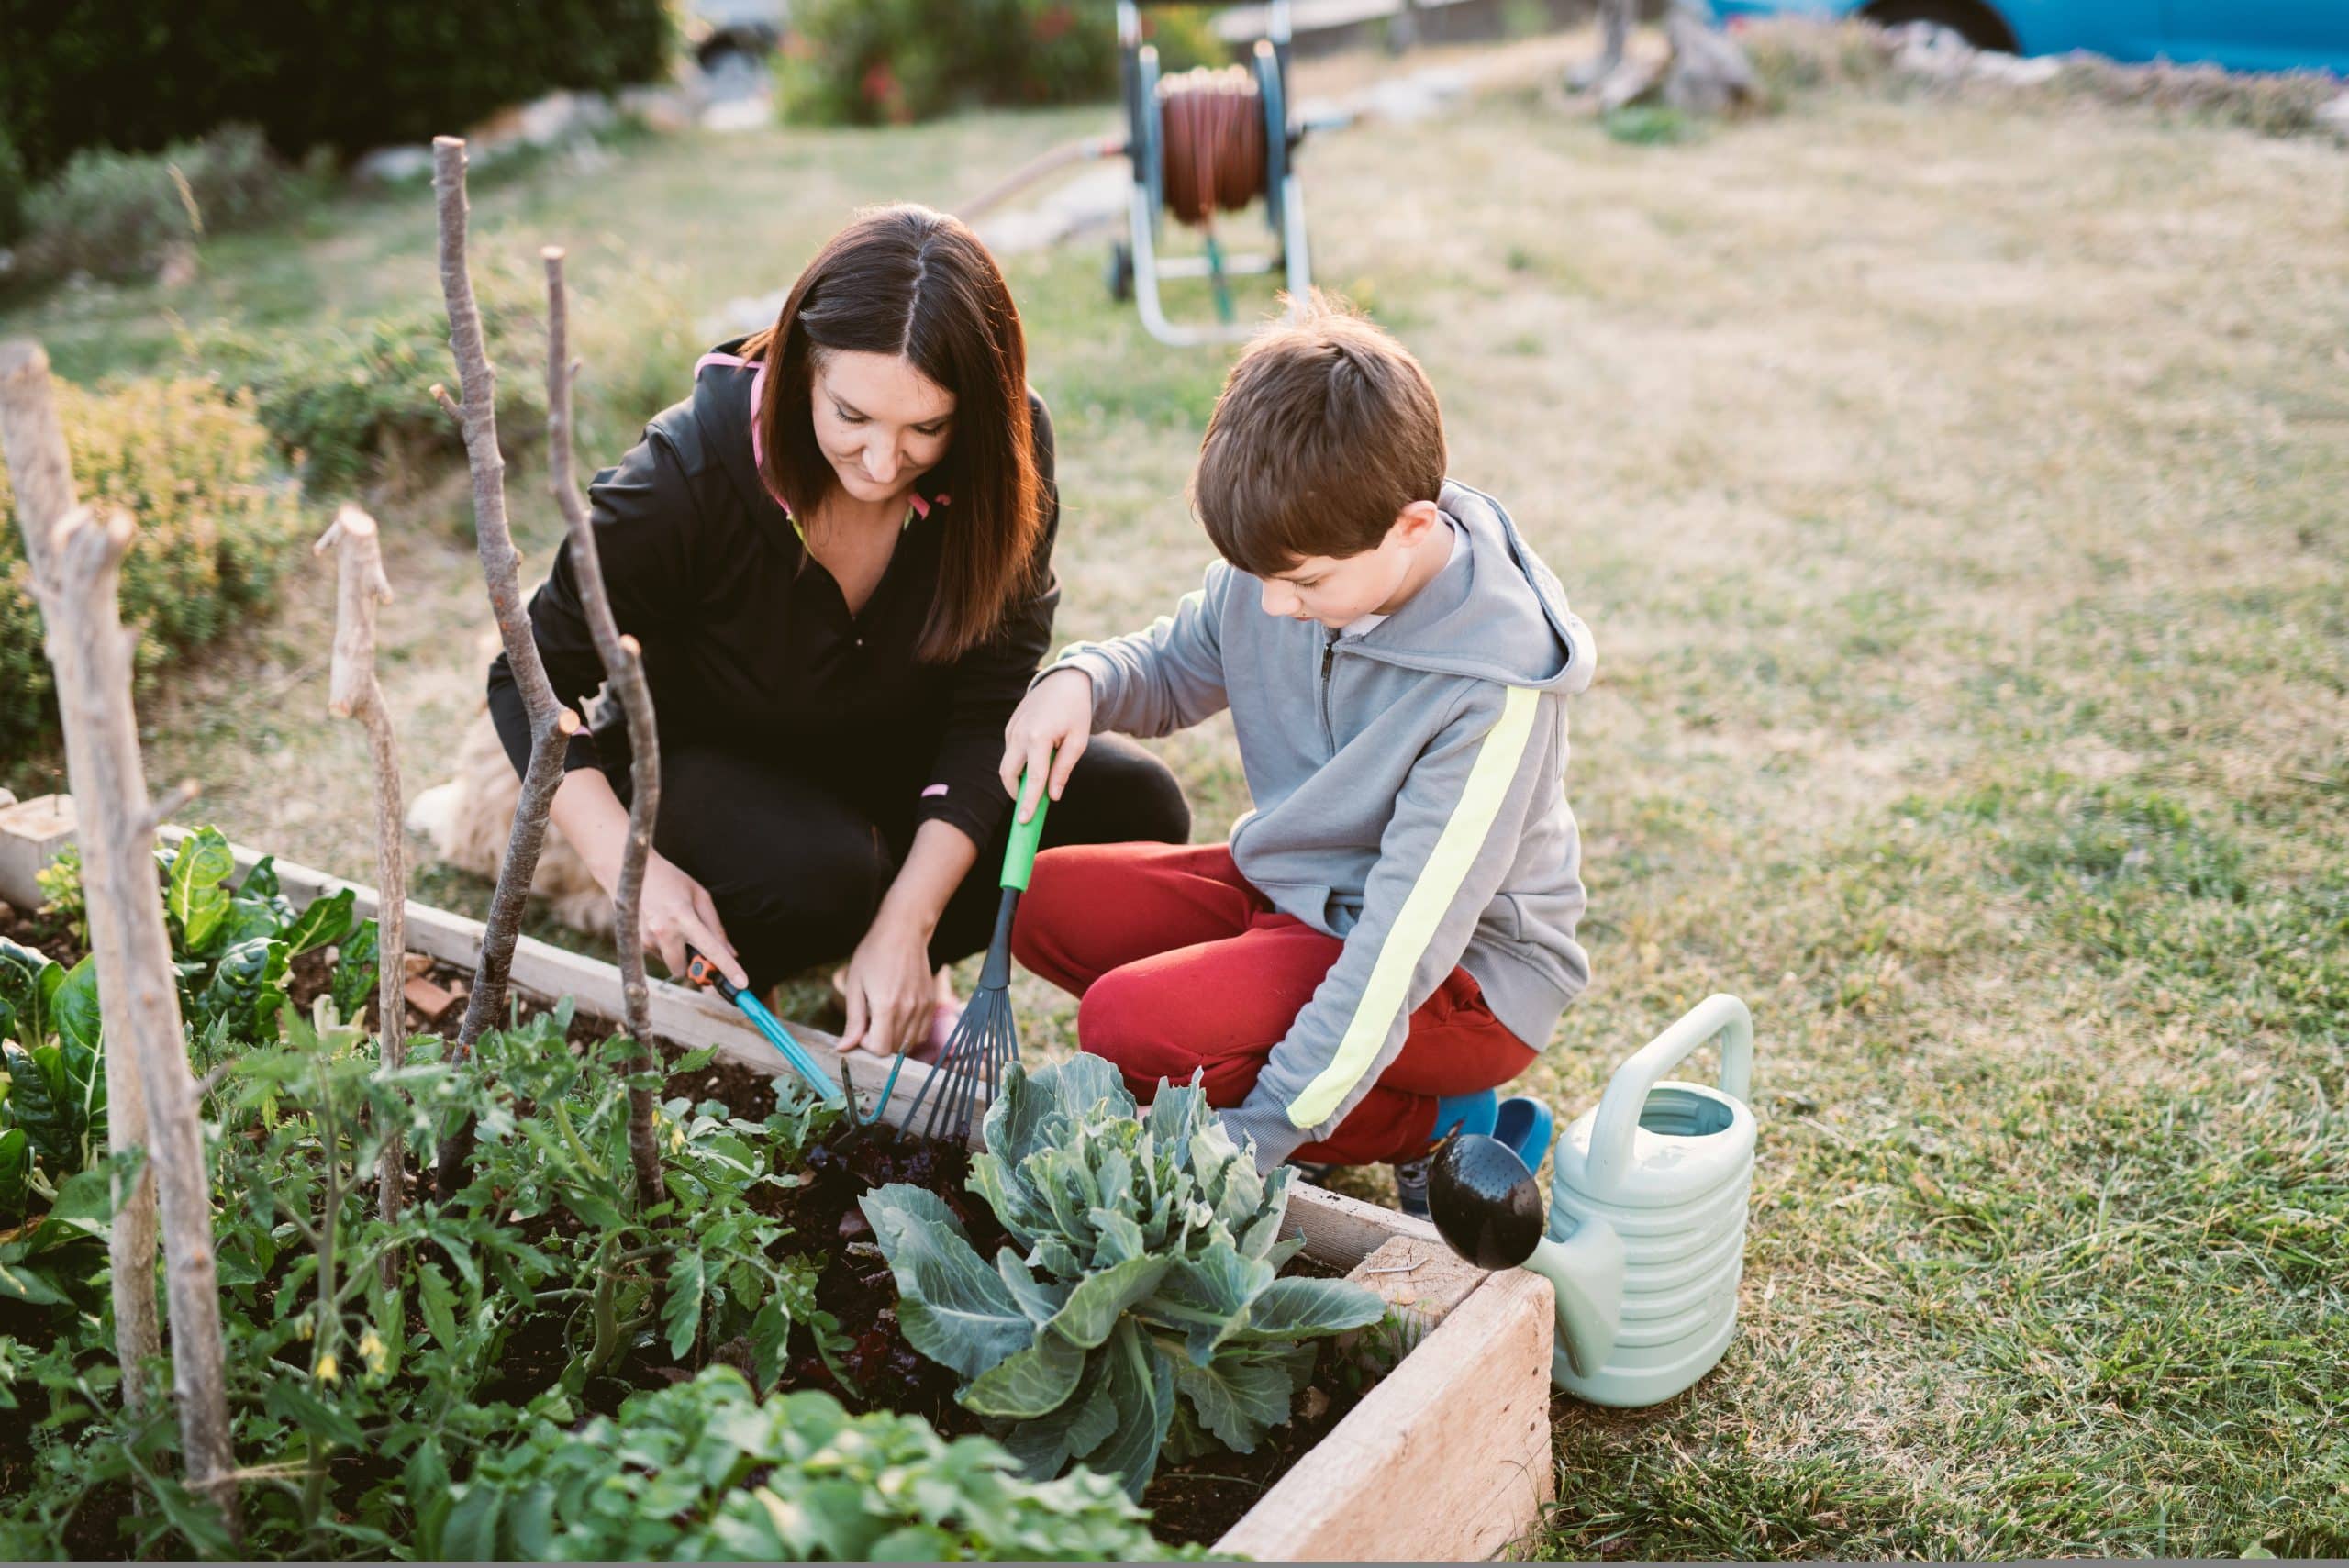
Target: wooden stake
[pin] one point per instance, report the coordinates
(624, 666)
(42, 473)
(551, 724)
(78, 564)
(353, 692)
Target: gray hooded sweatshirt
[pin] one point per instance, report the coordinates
(1409, 797)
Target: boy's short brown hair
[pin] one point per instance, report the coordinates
(1326, 428)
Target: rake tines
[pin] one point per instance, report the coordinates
(985, 1038)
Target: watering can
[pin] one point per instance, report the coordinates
(1646, 1233)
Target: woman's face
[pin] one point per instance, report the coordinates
(881, 422)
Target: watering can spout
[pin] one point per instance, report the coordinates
(1585, 1270)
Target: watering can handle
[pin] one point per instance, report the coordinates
(1627, 1094)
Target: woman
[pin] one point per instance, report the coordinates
(837, 556)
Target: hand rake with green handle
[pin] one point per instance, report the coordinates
(986, 1038)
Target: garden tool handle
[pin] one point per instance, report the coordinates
(1019, 855)
(699, 970)
(1627, 1093)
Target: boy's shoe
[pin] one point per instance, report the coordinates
(1316, 1171)
(1411, 1186)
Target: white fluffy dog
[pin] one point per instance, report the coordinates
(469, 819)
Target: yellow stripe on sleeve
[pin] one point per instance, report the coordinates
(1498, 756)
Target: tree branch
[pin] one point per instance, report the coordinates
(550, 723)
(40, 472)
(93, 661)
(353, 692)
(624, 666)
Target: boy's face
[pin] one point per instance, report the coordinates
(1338, 590)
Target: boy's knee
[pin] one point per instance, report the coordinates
(1038, 926)
(1122, 1019)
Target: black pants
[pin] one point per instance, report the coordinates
(798, 865)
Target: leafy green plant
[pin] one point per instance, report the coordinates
(53, 1261)
(235, 949)
(707, 1470)
(53, 1115)
(61, 892)
(1158, 1318)
(217, 525)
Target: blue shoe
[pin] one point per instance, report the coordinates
(1525, 1124)
(1466, 1112)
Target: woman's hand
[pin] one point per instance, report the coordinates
(891, 989)
(674, 910)
(1047, 734)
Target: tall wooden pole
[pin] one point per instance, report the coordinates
(353, 692)
(139, 996)
(41, 473)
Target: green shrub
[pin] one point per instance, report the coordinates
(114, 215)
(870, 62)
(349, 403)
(217, 526)
(136, 74)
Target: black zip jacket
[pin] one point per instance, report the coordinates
(750, 647)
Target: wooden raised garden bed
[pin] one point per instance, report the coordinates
(1447, 1458)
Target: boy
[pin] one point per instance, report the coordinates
(1394, 923)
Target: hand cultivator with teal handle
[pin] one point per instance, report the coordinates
(986, 1038)
(701, 971)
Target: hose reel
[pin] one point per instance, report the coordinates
(1204, 142)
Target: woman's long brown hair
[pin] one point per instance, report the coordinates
(907, 281)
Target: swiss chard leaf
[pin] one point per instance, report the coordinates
(355, 973)
(247, 986)
(15, 1174)
(27, 979)
(194, 895)
(326, 920)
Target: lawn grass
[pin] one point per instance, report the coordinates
(1954, 494)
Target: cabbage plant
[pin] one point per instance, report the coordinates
(1142, 1306)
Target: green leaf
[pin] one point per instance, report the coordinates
(1140, 1386)
(75, 1006)
(194, 895)
(289, 1395)
(355, 974)
(27, 979)
(471, 1534)
(1238, 1398)
(1208, 1296)
(261, 881)
(438, 1298)
(326, 920)
(681, 1312)
(15, 1174)
(247, 918)
(35, 1104)
(1299, 1308)
(770, 1343)
(1101, 1300)
(1031, 1382)
(953, 1308)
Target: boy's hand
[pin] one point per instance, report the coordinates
(1047, 734)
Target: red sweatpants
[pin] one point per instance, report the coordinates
(1181, 965)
